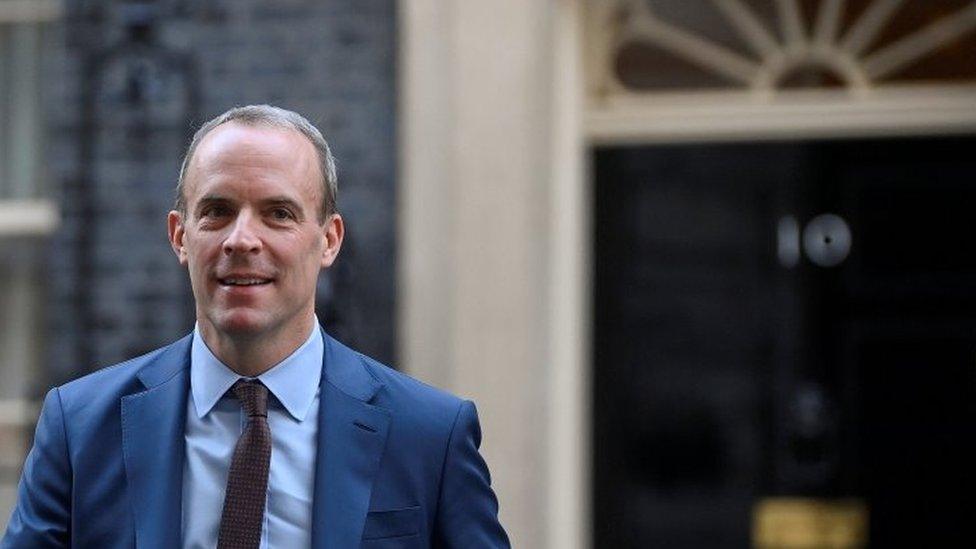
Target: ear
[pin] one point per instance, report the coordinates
(176, 230)
(332, 231)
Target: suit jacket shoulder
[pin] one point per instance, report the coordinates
(104, 387)
(408, 394)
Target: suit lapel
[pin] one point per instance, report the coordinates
(351, 438)
(153, 423)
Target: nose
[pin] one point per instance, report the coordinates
(243, 237)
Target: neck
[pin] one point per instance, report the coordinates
(251, 355)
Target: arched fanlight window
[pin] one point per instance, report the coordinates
(882, 64)
(788, 43)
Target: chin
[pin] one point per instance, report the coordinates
(243, 323)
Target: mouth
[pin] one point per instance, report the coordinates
(243, 281)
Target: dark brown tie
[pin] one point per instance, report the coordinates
(247, 481)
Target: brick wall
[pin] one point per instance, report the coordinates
(115, 288)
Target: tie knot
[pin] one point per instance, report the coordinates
(253, 396)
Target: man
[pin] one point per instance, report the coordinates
(257, 429)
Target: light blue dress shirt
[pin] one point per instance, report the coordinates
(214, 422)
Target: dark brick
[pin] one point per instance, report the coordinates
(332, 61)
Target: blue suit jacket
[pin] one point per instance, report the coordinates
(398, 462)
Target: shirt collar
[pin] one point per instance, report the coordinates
(294, 381)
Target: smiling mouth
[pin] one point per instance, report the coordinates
(243, 281)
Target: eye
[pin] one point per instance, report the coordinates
(282, 214)
(215, 212)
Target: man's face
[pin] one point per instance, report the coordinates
(251, 237)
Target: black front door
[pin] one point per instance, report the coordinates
(784, 319)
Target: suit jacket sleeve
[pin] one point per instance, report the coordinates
(467, 511)
(42, 515)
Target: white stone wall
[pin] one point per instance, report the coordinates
(490, 242)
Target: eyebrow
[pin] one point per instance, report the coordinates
(209, 199)
(281, 200)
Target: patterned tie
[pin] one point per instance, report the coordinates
(247, 481)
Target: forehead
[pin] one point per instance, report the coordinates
(235, 157)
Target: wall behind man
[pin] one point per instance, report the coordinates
(115, 288)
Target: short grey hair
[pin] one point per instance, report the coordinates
(275, 117)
